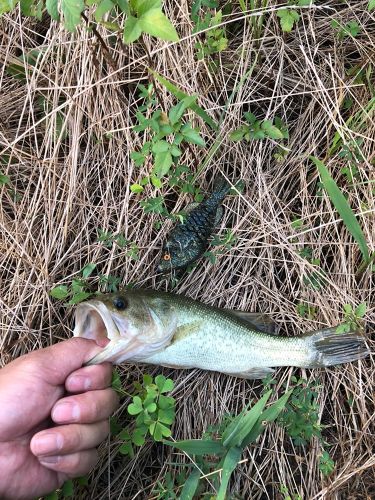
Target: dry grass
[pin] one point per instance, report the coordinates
(71, 187)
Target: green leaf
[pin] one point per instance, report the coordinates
(52, 9)
(360, 310)
(343, 328)
(156, 182)
(59, 292)
(87, 270)
(198, 446)
(166, 416)
(268, 415)
(79, 297)
(7, 6)
(126, 449)
(4, 179)
(155, 23)
(342, 206)
(166, 402)
(181, 95)
(191, 135)
(68, 489)
(190, 486)
(240, 427)
(160, 147)
(287, 19)
(238, 134)
(163, 163)
(53, 495)
(151, 408)
(371, 5)
(158, 430)
(71, 10)
(271, 131)
(132, 29)
(138, 437)
(143, 6)
(136, 406)
(230, 463)
(103, 7)
(176, 112)
(136, 188)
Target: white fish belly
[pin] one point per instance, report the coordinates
(231, 352)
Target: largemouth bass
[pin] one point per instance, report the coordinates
(148, 326)
(188, 241)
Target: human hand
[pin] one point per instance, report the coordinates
(53, 413)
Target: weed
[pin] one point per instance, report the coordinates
(351, 29)
(140, 16)
(167, 133)
(153, 411)
(287, 496)
(306, 310)
(300, 419)
(215, 40)
(78, 290)
(352, 318)
(260, 129)
(228, 440)
(221, 245)
(289, 17)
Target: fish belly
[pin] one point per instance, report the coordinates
(232, 352)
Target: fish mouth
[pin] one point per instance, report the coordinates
(94, 321)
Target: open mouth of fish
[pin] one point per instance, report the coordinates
(94, 321)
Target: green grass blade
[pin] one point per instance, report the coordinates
(267, 416)
(230, 463)
(342, 206)
(198, 446)
(180, 95)
(236, 432)
(190, 486)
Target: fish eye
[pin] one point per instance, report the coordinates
(167, 256)
(120, 303)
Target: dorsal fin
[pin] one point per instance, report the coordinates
(259, 321)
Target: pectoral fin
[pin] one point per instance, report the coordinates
(253, 373)
(259, 321)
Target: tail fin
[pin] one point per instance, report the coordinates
(221, 187)
(332, 348)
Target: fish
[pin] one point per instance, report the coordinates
(172, 330)
(189, 240)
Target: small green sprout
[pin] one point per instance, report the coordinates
(260, 129)
(350, 29)
(352, 318)
(78, 290)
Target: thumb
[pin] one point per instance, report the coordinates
(59, 360)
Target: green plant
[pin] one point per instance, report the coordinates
(78, 290)
(352, 318)
(68, 489)
(108, 239)
(221, 245)
(136, 16)
(352, 28)
(287, 496)
(326, 464)
(306, 310)
(371, 5)
(153, 411)
(288, 17)
(300, 419)
(260, 129)
(4, 180)
(228, 441)
(343, 208)
(215, 40)
(167, 132)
